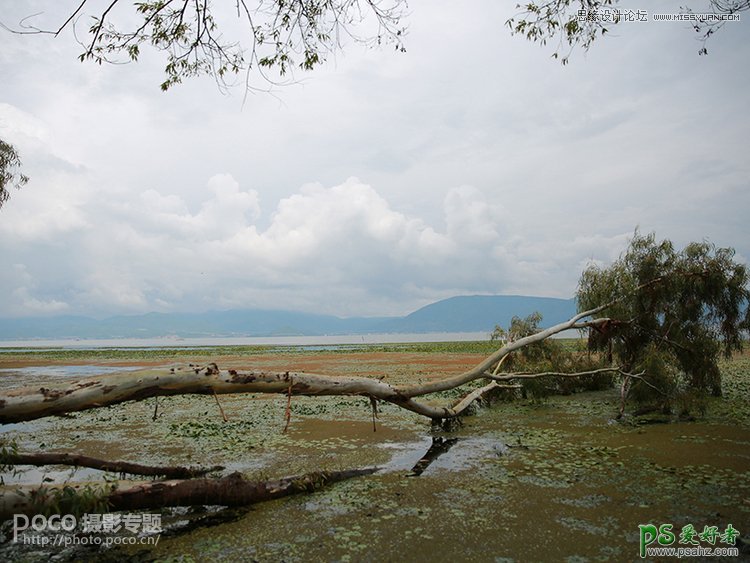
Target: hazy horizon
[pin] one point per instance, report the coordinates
(383, 181)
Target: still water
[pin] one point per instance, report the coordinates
(176, 342)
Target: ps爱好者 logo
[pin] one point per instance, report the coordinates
(659, 540)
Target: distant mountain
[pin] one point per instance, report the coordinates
(186, 325)
(474, 313)
(471, 313)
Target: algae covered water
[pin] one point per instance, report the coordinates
(525, 481)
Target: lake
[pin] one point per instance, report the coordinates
(176, 342)
(324, 340)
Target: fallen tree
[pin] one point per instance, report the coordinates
(669, 316)
(30, 403)
(95, 392)
(232, 490)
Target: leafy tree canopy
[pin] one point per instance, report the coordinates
(547, 358)
(673, 313)
(269, 35)
(10, 164)
(578, 23)
(268, 39)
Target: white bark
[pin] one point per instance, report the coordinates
(35, 402)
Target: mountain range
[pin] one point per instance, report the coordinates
(470, 313)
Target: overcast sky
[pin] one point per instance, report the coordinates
(471, 164)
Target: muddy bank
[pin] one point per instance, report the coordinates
(557, 480)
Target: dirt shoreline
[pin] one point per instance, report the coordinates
(399, 365)
(558, 476)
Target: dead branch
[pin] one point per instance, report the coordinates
(232, 490)
(462, 404)
(479, 370)
(221, 409)
(374, 407)
(288, 412)
(36, 402)
(75, 460)
(512, 376)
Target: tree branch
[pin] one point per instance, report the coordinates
(232, 490)
(479, 370)
(73, 15)
(93, 392)
(75, 460)
(98, 28)
(512, 376)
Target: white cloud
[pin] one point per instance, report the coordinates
(31, 306)
(50, 206)
(22, 129)
(20, 289)
(474, 165)
(223, 214)
(469, 218)
(342, 249)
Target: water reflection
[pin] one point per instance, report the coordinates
(12, 378)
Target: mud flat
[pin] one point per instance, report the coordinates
(551, 480)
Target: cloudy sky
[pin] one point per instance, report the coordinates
(471, 164)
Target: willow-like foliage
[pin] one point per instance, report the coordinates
(10, 164)
(263, 39)
(674, 313)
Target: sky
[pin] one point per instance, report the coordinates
(473, 163)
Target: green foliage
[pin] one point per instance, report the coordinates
(518, 328)
(277, 35)
(690, 402)
(578, 23)
(71, 500)
(8, 449)
(550, 355)
(661, 374)
(10, 162)
(559, 19)
(673, 314)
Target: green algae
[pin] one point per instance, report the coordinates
(526, 481)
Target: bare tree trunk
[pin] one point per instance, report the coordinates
(36, 402)
(624, 390)
(232, 490)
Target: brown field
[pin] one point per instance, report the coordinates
(527, 481)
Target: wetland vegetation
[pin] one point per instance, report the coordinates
(557, 466)
(541, 478)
